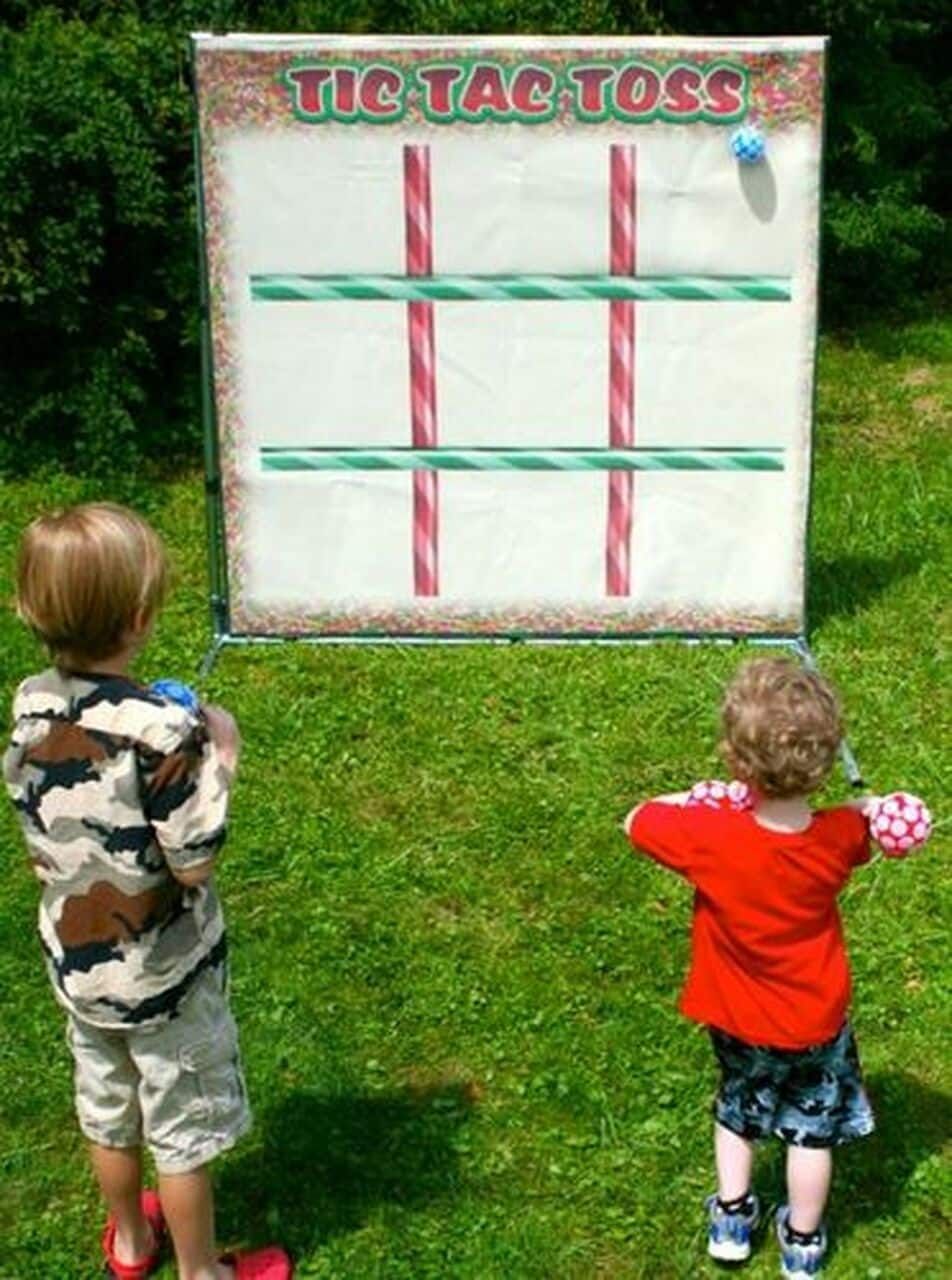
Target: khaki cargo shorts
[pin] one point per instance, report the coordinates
(178, 1085)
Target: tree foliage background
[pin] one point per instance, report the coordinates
(98, 277)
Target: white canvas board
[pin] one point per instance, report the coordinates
(315, 551)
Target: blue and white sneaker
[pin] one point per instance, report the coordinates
(729, 1234)
(799, 1261)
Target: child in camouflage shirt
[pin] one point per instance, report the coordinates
(123, 800)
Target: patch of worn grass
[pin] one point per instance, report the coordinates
(455, 990)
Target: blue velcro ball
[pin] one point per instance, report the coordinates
(175, 691)
(748, 144)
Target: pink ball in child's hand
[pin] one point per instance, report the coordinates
(739, 793)
(899, 823)
(715, 794)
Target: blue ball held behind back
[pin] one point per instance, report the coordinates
(175, 691)
(748, 144)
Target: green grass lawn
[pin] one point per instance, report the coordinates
(456, 990)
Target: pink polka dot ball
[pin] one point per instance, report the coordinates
(715, 794)
(899, 823)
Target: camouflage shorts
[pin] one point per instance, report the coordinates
(177, 1085)
(808, 1097)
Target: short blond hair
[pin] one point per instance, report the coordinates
(782, 727)
(86, 575)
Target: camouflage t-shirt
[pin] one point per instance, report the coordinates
(114, 786)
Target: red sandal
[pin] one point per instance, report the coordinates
(271, 1263)
(145, 1267)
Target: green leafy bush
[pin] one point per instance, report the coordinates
(98, 278)
(97, 256)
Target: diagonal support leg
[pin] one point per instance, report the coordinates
(850, 764)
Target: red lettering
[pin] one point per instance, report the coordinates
(591, 88)
(345, 91)
(637, 90)
(380, 92)
(725, 91)
(438, 81)
(532, 89)
(485, 91)
(681, 91)
(308, 82)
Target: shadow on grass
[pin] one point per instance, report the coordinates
(870, 1176)
(917, 330)
(840, 588)
(328, 1161)
(913, 1122)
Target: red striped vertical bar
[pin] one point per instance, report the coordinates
(419, 240)
(621, 372)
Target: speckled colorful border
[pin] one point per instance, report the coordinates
(541, 620)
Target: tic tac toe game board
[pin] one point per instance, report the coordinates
(508, 337)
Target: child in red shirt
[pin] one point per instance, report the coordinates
(769, 975)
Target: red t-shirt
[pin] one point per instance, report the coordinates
(768, 962)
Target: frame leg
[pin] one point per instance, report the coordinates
(211, 656)
(850, 765)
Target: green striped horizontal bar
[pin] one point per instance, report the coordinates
(408, 459)
(519, 288)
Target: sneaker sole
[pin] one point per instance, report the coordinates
(728, 1251)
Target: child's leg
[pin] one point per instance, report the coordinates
(824, 1105)
(119, 1173)
(809, 1171)
(734, 1157)
(190, 1214)
(107, 1105)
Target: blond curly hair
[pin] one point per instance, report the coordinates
(782, 727)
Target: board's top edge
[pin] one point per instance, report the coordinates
(251, 42)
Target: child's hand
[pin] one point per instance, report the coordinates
(864, 804)
(223, 732)
(629, 819)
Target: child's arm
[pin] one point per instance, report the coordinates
(186, 793)
(663, 830)
(677, 797)
(194, 876)
(223, 731)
